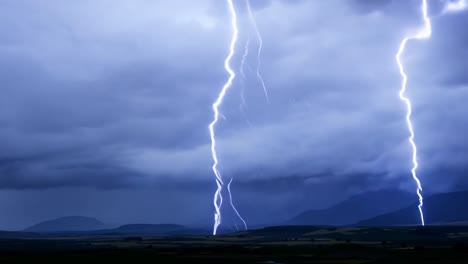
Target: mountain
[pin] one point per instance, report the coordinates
(356, 208)
(79, 225)
(444, 208)
(69, 223)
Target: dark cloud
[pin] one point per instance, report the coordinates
(112, 99)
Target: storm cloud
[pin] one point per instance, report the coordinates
(116, 96)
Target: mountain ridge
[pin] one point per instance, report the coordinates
(355, 208)
(435, 210)
(67, 223)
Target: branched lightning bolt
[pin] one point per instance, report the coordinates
(218, 198)
(232, 204)
(243, 104)
(424, 33)
(259, 52)
(242, 73)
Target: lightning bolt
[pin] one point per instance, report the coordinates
(242, 73)
(243, 104)
(232, 205)
(260, 46)
(218, 198)
(424, 33)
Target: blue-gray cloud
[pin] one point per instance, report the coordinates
(117, 95)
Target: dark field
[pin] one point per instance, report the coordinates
(269, 245)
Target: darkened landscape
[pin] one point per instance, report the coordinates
(365, 230)
(288, 244)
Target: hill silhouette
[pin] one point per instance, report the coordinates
(443, 208)
(356, 208)
(69, 223)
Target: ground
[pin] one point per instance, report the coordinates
(270, 245)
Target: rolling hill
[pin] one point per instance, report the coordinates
(356, 208)
(444, 208)
(69, 223)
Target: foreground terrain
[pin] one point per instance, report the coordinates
(290, 244)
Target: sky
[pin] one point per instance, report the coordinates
(105, 106)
